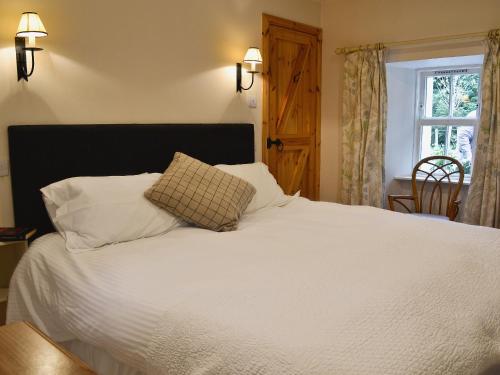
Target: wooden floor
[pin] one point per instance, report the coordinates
(24, 350)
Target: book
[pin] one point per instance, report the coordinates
(16, 234)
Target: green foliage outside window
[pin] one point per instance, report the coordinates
(465, 95)
(441, 96)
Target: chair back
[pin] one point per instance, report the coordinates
(437, 191)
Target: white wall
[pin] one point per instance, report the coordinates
(400, 125)
(150, 61)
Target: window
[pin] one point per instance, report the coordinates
(448, 114)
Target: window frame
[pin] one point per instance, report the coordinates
(421, 94)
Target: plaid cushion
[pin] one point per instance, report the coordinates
(201, 194)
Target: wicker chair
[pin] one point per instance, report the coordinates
(441, 198)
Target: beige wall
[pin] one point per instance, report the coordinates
(173, 61)
(134, 61)
(354, 22)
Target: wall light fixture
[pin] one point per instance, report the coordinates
(252, 57)
(30, 28)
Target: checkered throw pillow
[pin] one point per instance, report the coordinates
(201, 194)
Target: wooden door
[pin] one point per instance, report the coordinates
(291, 104)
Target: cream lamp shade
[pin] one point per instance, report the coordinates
(31, 26)
(253, 57)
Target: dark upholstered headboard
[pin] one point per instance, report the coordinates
(43, 154)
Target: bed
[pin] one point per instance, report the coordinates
(306, 288)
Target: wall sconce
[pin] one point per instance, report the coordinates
(252, 57)
(30, 28)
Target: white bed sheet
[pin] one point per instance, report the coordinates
(99, 360)
(310, 288)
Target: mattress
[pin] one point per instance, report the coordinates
(309, 288)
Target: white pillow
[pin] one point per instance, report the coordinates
(90, 212)
(269, 193)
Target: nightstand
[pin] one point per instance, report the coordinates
(10, 254)
(24, 350)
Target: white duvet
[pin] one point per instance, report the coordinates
(310, 288)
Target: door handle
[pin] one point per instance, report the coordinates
(277, 142)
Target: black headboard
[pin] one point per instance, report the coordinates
(43, 154)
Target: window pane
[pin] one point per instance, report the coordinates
(465, 96)
(438, 100)
(454, 141)
(465, 143)
(433, 141)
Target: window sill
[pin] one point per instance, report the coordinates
(408, 178)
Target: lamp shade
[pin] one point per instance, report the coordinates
(30, 26)
(253, 56)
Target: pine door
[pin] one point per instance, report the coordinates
(291, 118)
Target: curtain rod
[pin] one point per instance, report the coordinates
(346, 50)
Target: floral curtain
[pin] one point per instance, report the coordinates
(483, 201)
(364, 122)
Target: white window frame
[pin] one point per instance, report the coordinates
(421, 96)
